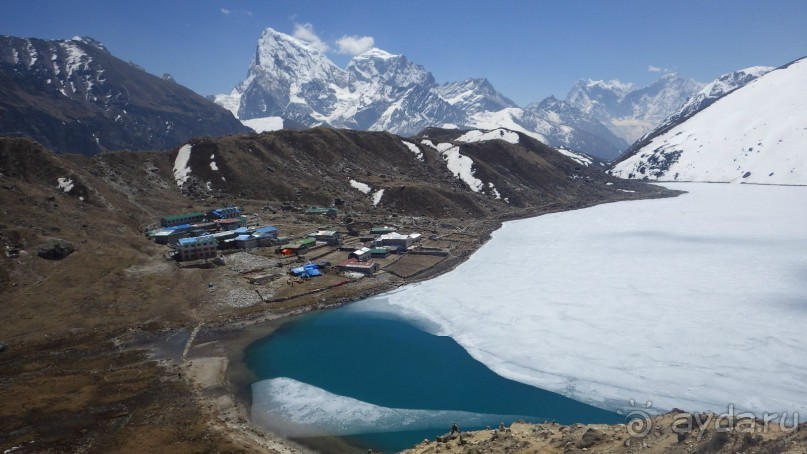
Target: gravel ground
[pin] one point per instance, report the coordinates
(244, 262)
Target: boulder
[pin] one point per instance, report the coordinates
(55, 249)
(590, 438)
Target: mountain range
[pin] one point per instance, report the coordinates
(748, 126)
(74, 96)
(290, 80)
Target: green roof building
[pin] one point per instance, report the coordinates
(179, 219)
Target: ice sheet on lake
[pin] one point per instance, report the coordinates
(695, 302)
(295, 409)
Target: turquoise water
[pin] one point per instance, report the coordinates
(392, 363)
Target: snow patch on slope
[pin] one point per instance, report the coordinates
(414, 149)
(65, 184)
(509, 118)
(181, 168)
(460, 165)
(363, 187)
(576, 157)
(482, 136)
(377, 196)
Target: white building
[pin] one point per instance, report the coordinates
(200, 247)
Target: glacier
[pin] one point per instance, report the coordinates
(695, 302)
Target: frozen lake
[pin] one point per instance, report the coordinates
(696, 302)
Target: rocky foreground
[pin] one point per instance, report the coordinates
(675, 432)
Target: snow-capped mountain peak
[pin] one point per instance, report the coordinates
(376, 53)
(91, 41)
(379, 66)
(474, 95)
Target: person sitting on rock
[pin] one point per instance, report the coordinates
(454, 428)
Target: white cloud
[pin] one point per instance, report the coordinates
(355, 45)
(306, 33)
(658, 69)
(225, 11)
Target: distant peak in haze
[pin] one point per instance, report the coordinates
(613, 85)
(630, 111)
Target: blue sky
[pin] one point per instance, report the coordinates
(527, 49)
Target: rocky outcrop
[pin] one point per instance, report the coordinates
(55, 249)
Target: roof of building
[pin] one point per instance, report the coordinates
(241, 230)
(224, 233)
(319, 209)
(382, 229)
(353, 263)
(243, 238)
(176, 217)
(310, 269)
(399, 236)
(195, 239)
(379, 250)
(393, 236)
(266, 229)
(362, 251)
(325, 233)
(226, 210)
(178, 227)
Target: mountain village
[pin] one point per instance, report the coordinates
(334, 257)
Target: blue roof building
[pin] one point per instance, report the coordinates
(225, 213)
(266, 230)
(307, 270)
